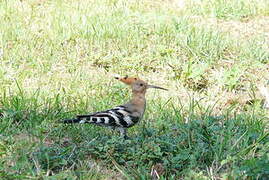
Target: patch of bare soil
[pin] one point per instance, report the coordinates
(245, 29)
(248, 28)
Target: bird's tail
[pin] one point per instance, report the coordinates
(79, 119)
(69, 121)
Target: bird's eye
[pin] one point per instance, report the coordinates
(141, 84)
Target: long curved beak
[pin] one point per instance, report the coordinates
(156, 87)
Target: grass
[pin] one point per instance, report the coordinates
(56, 61)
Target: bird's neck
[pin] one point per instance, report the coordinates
(138, 104)
(138, 99)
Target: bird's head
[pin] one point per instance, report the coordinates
(138, 85)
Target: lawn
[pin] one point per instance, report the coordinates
(58, 59)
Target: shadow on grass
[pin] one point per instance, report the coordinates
(228, 146)
(237, 147)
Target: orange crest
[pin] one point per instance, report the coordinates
(127, 80)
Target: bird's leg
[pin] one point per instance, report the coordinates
(123, 132)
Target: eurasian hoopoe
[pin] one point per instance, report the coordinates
(123, 116)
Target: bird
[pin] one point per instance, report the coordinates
(123, 116)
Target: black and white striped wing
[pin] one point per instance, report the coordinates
(116, 117)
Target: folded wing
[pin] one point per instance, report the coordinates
(119, 116)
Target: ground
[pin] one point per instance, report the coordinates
(58, 59)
